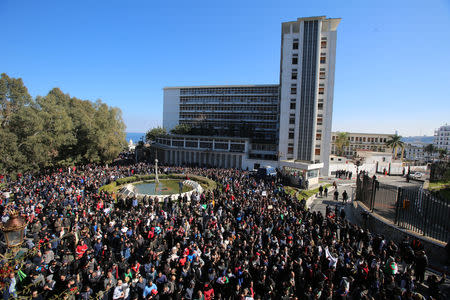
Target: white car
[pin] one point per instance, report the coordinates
(418, 175)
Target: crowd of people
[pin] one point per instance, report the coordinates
(246, 239)
(344, 174)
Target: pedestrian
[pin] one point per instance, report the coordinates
(344, 197)
(326, 192)
(336, 195)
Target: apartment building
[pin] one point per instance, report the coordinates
(361, 141)
(442, 138)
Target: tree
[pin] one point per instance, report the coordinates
(54, 130)
(182, 129)
(430, 149)
(442, 153)
(341, 141)
(395, 142)
(153, 133)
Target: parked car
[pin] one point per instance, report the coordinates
(418, 175)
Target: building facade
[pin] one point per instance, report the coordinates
(247, 111)
(361, 141)
(415, 152)
(442, 138)
(308, 55)
(289, 123)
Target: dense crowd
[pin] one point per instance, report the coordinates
(247, 239)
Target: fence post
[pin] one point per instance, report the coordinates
(397, 205)
(372, 199)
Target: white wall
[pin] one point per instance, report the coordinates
(171, 108)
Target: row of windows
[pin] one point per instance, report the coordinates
(232, 99)
(294, 74)
(230, 90)
(261, 125)
(264, 147)
(363, 139)
(227, 116)
(269, 108)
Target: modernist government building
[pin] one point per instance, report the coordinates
(286, 125)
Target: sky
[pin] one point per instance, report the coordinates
(392, 60)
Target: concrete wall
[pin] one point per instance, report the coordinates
(171, 108)
(435, 249)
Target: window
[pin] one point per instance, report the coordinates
(294, 75)
(291, 120)
(323, 44)
(321, 91)
(295, 45)
(324, 38)
(322, 75)
(318, 137)
(323, 60)
(319, 121)
(295, 60)
(293, 90)
(320, 100)
(291, 135)
(320, 106)
(292, 105)
(290, 150)
(317, 152)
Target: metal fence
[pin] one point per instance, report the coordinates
(412, 208)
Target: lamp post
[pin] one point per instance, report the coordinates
(13, 230)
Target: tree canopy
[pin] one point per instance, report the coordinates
(395, 142)
(182, 129)
(341, 141)
(54, 130)
(153, 133)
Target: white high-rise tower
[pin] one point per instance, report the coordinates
(308, 55)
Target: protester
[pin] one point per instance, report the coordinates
(246, 239)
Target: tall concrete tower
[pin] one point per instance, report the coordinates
(308, 55)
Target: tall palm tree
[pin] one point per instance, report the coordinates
(395, 142)
(341, 141)
(430, 149)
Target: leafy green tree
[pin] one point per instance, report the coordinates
(341, 141)
(442, 153)
(395, 142)
(153, 133)
(54, 130)
(181, 129)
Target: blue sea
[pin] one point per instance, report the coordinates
(135, 136)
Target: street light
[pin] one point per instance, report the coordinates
(13, 230)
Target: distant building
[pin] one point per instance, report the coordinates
(442, 138)
(414, 152)
(375, 142)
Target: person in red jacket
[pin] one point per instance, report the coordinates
(81, 249)
(208, 292)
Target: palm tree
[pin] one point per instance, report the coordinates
(430, 149)
(341, 141)
(395, 142)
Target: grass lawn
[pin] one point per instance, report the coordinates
(303, 194)
(440, 187)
